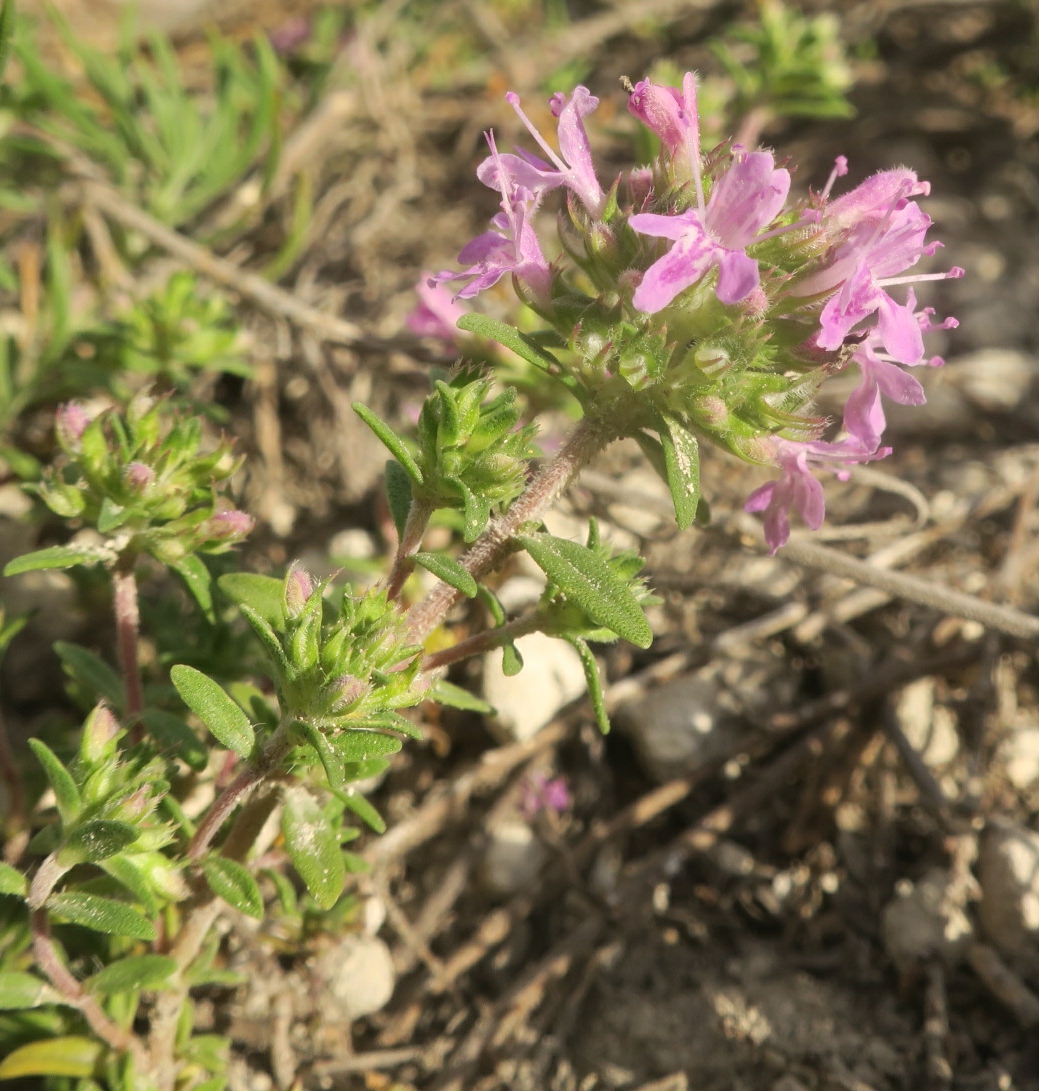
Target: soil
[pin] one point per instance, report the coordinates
(734, 940)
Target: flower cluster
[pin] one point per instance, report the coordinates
(722, 304)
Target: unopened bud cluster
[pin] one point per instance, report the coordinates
(142, 479)
(694, 290)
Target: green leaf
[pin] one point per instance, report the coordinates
(199, 582)
(130, 875)
(591, 675)
(447, 693)
(682, 463)
(476, 510)
(68, 1056)
(330, 759)
(364, 810)
(449, 570)
(227, 722)
(53, 557)
(13, 881)
(23, 991)
(313, 847)
(362, 745)
(269, 639)
(388, 720)
(234, 883)
(96, 840)
(65, 791)
(511, 660)
(91, 672)
(393, 443)
(131, 974)
(174, 735)
(586, 580)
(101, 915)
(111, 516)
(262, 594)
(398, 494)
(510, 338)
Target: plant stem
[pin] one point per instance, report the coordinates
(199, 918)
(489, 551)
(483, 641)
(127, 622)
(244, 783)
(410, 540)
(58, 974)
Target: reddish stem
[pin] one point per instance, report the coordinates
(58, 974)
(127, 622)
(220, 808)
(410, 540)
(494, 545)
(483, 642)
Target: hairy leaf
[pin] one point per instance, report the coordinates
(228, 723)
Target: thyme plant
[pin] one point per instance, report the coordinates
(693, 300)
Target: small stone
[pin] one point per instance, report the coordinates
(358, 975)
(512, 859)
(355, 544)
(551, 678)
(925, 919)
(699, 718)
(929, 728)
(1020, 754)
(1008, 869)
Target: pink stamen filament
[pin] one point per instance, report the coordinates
(953, 274)
(840, 168)
(514, 101)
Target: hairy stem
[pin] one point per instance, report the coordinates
(127, 623)
(199, 917)
(58, 974)
(489, 551)
(244, 783)
(483, 642)
(410, 540)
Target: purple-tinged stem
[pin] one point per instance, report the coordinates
(127, 623)
(220, 808)
(58, 974)
(489, 551)
(410, 540)
(483, 642)
(16, 820)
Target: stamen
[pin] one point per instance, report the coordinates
(953, 274)
(692, 144)
(514, 101)
(840, 169)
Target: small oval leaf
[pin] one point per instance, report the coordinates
(52, 557)
(18, 991)
(261, 593)
(449, 570)
(131, 974)
(101, 915)
(13, 881)
(313, 847)
(69, 1056)
(65, 791)
(234, 883)
(228, 723)
(96, 840)
(362, 745)
(586, 579)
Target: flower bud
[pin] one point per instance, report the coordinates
(350, 690)
(99, 735)
(712, 359)
(70, 423)
(298, 588)
(138, 476)
(228, 525)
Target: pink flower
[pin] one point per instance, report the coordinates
(743, 201)
(71, 422)
(798, 488)
(573, 168)
(669, 113)
(542, 794)
(436, 314)
(511, 247)
(880, 233)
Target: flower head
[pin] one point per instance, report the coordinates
(436, 314)
(745, 200)
(572, 168)
(511, 247)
